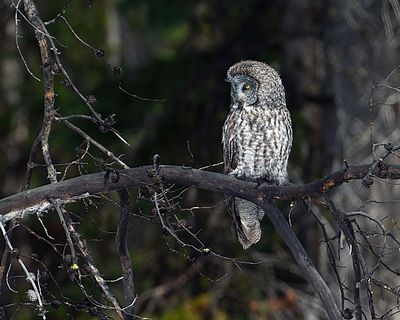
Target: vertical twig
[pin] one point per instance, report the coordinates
(48, 83)
(330, 252)
(126, 263)
(348, 231)
(29, 276)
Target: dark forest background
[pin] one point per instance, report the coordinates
(329, 54)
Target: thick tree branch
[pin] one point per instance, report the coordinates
(86, 185)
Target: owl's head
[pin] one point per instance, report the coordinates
(255, 83)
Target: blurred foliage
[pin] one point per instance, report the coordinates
(176, 52)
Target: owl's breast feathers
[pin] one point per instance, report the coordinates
(256, 143)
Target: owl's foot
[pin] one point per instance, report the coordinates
(260, 181)
(236, 173)
(243, 173)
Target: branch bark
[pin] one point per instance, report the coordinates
(95, 183)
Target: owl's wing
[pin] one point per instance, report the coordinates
(230, 151)
(244, 213)
(230, 164)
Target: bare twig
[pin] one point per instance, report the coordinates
(60, 213)
(94, 142)
(94, 271)
(331, 255)
(17, 42)
(348, 231)
(29, 276)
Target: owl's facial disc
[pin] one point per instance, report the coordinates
(243, 90)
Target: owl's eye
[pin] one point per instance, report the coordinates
(246, 87)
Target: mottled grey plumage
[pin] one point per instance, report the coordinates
(256, 138)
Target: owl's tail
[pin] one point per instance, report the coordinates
(246, 218)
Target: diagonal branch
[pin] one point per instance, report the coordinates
(302, 258)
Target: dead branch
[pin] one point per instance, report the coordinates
(48, 83)
(95, 183)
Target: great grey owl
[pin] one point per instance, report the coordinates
(256, 138)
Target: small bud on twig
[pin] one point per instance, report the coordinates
(100, 53)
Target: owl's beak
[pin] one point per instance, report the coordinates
(240, 98)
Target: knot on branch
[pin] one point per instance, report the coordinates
(15, 253)
(30, 165)
(100, 53)
(55, 68)
(117, 71)
(154, 173)
(367, 182)
(65, 82)
(382, 165)
(112, 174)
(91, 99)
(164, 231)
(388, 146)
(107, 124)
(56, 304)
(348, 313)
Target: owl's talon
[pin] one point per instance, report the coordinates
(234, 173)
(260, 181)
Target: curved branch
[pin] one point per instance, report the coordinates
(95, 183)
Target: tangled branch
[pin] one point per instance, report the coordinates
(69, 190)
